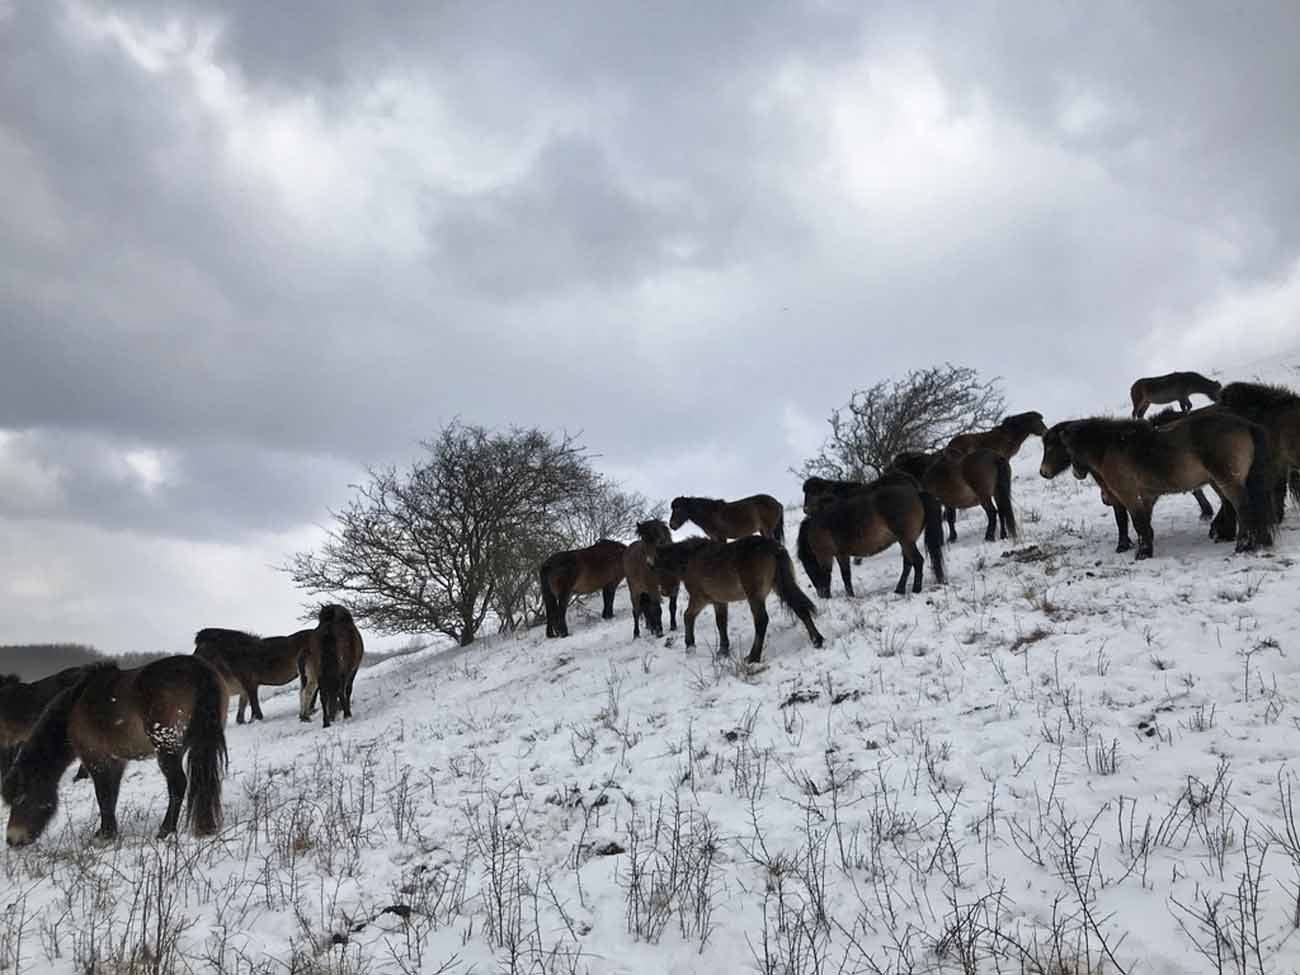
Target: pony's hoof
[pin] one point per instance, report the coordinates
(164, 833)
(1142, 555)
(304, 718)
(239, 719)
(104, 836)
(899, 590)
(819, 642)
(1124, 546)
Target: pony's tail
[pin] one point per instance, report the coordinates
(549, 602)
(1002, 496)
(1260, 512)
(205, 739)
(328, 678)
(1293, 482)
(819, 574)
(934, 535)
(787, 586)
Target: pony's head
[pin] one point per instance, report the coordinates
(680, 513)
(1056, 455)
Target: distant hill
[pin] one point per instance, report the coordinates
(35, 660)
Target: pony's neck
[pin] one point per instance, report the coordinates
(47, 748)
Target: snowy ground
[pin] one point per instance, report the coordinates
(1064, 761)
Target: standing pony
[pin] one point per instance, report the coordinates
(329, 664)
(647, 584)
(1005, 439)
(248, 662)
(173, 708)
(981, 477)
(577, 573)
(1173, 387)
(759, 514)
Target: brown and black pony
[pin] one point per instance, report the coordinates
(1136, 463)
(21, 703)
(758, 514)
(247, 661)
(1005, 439)
(719, 573)
(1173, 387)
(173, 708)
(577, 573)
(867, 522)
(329, 664)
(647, 584)
(1277, 410)
(981, 477)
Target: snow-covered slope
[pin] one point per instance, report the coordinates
(1063, 758)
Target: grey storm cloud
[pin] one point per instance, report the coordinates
(262, 245)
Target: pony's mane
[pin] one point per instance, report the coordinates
(1257, 396)
(679, 553)
(46, 750)
(1021, 421)
(1102, 429)
(334, 613)
(826, 484)
(697, 502)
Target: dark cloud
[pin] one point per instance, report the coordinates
(266, 244)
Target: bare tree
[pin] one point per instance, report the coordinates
(922, 411)
(431, 549)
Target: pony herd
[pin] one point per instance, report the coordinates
(1245, 447)
(173, 709)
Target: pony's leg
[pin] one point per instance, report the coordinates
(107, 777)
(720, 618)
(172, 769)
(608, 593)
(991, 512)
(1124, 542)
(912, 555)
(1224, 526)
(759, 608)
(1185, 404)
(693, 609)
(636, 614)
(1202, 502)
(672, 608)
(1141, 514)
(347, 694)
(243, 703)
(907, 570)
(306, 696)
(846, 573)
(562, 612)
(254, 702)
(951, 515)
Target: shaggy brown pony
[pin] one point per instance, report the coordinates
(981, 477)
(173, 708)
(759, 514)
(869, 522)
(1277, 410)
(330, 664)
(577, 573)
(1005, 439)
(21, 703)
(1136, 463)
(1173, 387)
(718, 573)
(247, 661)
(646, 584)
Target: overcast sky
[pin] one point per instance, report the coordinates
(247, 248)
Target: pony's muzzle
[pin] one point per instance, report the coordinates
(1046, 472)
(18, 836)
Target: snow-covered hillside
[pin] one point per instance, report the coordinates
(1063, 761)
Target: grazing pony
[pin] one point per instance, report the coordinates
(646, 584)
(719, 573)
(330, 664)
(1173, 387)
(1005, 439)
(173, 708)
(21, 703)
(247, 661)
(981, 477)
(577, 573)
(1135, 463)
(869, 522)
(759, 514)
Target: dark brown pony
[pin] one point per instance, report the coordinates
(1173, 387)
(174, 708)
(577, 573)
(1135, 463)
(329, 664)
(818, 491)
(981, 477)
(1005, 439)
(247, 661)
(1277, 410)
(21, 703)
(647, 584)
(869, 522)
(719, 573)
(758, 514)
